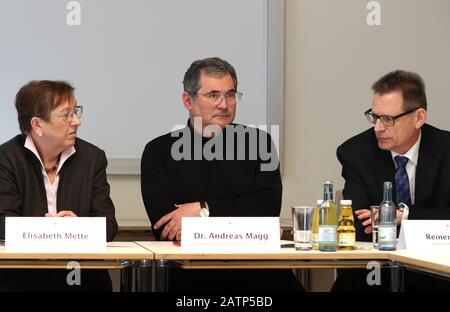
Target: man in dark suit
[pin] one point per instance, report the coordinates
(399, 113)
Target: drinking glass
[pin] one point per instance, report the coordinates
(375, 222)
(301, 223)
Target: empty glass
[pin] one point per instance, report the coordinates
(375, 223)
(301, 223)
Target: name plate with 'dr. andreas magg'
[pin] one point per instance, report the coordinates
(230, 234)
(54, 234)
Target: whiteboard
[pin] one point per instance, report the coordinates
(127, 59)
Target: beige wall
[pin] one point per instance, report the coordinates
(331, 58)
(126, 195)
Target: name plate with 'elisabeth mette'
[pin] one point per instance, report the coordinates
(55, 234)
(421, 235)
(230, 234)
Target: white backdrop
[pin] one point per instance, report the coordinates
(127, 60)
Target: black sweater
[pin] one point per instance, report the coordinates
(231, 187)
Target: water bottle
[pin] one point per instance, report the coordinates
(327, 220)
(387, 228)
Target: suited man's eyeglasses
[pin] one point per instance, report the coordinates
(387, 121)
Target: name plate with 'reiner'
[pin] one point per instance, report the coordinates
(425, 235)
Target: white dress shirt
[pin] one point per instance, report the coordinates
(51, 189)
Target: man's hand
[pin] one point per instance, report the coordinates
(62, 213)
(365, 214)
(172, 220)
(398, 217)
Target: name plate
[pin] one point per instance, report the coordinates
(425, 235)
(54, 234)
(230, 234)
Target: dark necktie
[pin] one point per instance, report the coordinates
(402, 181)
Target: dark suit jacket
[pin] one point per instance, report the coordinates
(82, 187)
(365, 167)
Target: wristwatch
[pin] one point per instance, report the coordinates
(204, 210)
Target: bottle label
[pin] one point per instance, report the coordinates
(346, 239)
(327, 233)
(387, 233)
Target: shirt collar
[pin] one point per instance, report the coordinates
(413, 153)
(29, 144)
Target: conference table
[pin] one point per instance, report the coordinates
(133, 261)
(167, 255)
(145, 265)
(432, 262)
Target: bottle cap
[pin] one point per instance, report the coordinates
(346, 202)
(319, 201)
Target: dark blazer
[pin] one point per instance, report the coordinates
(82, 187)
(365, 167)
